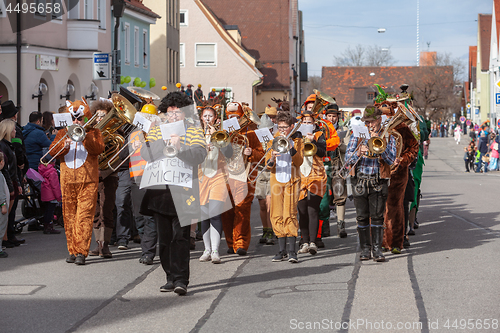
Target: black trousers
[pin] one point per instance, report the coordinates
(308, 217)
(174, 248)
(370, 197)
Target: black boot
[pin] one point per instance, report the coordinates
(292, 254)
(364, 243)
(282, 255)
(377, 236)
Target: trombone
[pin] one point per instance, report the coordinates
(112, 159)
(74, 132)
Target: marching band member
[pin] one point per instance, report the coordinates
(370, 179)
(213, 190)
(236, 221)
(173, 238)
(285, 186)
(79, 181)
(394, 219)
(331, 144)
(312, 186)
(104, 221)
(333, 164)
(263, 190)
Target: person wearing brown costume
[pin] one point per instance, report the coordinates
(79, 181)
(236, 221)
(394, 217)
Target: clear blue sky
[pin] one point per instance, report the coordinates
(331, 26)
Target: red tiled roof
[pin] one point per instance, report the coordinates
(484, 40)
(138, 6)
(264, 33)
(350, 85)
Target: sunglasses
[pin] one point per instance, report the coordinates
(79, 118)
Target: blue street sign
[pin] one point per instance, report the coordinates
(497, 98)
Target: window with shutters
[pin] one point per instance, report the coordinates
(206, 55)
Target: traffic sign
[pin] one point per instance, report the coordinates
(101, 68)
(476, 127)
(468, 122)
(497, 98)
(468, 105)
(498, 84)
(462, 119)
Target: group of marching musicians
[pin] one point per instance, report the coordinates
(296, 176)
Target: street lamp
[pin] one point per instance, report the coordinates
(42, 90)
(68, 90)
(94, 90)
(118, 9)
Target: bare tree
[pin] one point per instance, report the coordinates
(361, 56)
(377, 56)
(351, 57)
(432, 90)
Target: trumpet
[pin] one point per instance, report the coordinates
(281, 144)
(170, 150)
(310, 148)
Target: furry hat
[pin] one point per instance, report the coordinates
(234, 108)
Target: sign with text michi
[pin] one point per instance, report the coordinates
(167, 171)
(101, 66)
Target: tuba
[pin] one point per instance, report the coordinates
(120, 117)
(322, 100)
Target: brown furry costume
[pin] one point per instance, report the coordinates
(394, 218)
(236, 221)
(79, 182)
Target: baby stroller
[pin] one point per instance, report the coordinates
(32, 207)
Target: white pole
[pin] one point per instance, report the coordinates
(418, 36)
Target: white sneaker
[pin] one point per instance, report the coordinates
(215, 257)
(304, 248)
(205, 256)
(313, 249)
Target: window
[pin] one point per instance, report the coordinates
(182, 52)
(73, 13)
(126, 41)
(183, 17)
(145, 51)
(3, 13)
(42, 5)
(205, 55)
(87, 10)
(101, 13)
(57, 4)
(370, 96)
(137, 44)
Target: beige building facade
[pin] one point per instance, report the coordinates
(56, 53)
(212, 55)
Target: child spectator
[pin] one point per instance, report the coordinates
(4, 204)
(51, 194)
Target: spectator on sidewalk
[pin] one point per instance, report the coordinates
(35, 139)
(483, 150)
(50, 194)
(493, 166)
(4, 204)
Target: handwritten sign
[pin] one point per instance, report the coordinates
(264, 135)
(231, 125)
(62, 119)
(360, 132)
(167, 171)
(141, 122)
(176, 127)
(306, 129)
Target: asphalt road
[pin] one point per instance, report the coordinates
(446, 282)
